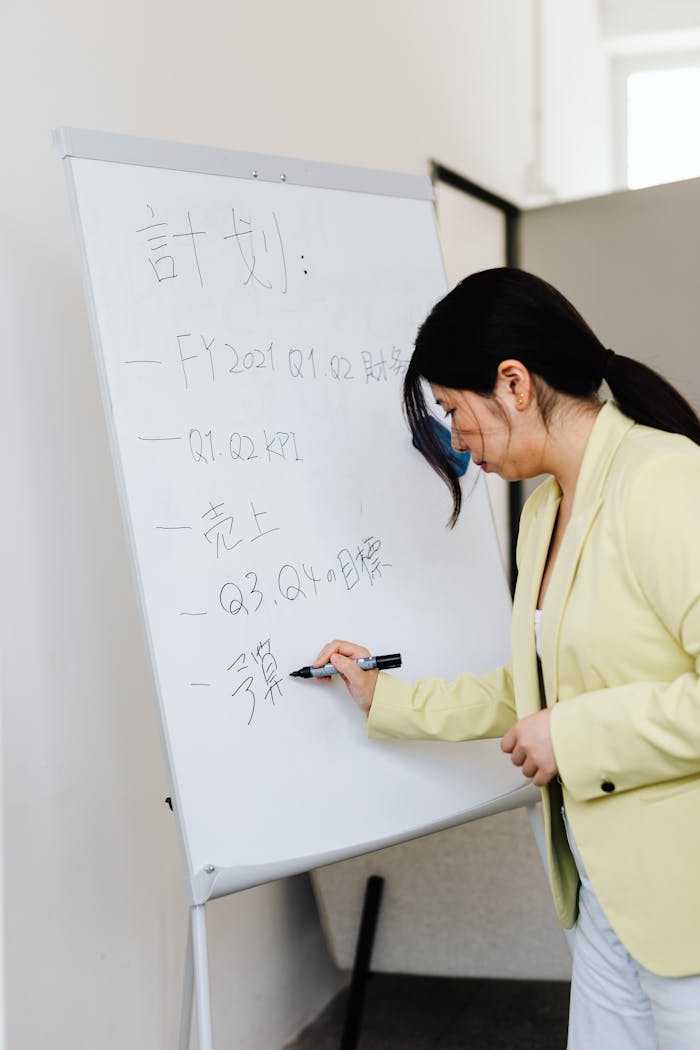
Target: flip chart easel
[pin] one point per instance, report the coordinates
(252, 318)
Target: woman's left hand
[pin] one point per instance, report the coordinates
(529, 744)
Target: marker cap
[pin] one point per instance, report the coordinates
(385, 662)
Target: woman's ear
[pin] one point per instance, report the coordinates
(514, 384)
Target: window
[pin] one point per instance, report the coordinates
(660, 125)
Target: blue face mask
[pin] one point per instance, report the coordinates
(459, 460)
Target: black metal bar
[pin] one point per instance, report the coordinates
(513, 240)
(473, 189)
(360, 970)
(515, 488)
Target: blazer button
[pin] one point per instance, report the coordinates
(607, 785)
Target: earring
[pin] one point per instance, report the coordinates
(521, 401)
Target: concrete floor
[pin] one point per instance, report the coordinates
(437, 1013)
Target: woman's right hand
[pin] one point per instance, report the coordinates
(360, 684)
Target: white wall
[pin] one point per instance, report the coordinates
(94, 910)
(624, 17)
(577, 132)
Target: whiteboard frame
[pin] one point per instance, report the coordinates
(207, 885)
(208, 160)
(214, 881)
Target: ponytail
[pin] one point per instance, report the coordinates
(648, 398)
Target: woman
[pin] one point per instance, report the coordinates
(600, 704)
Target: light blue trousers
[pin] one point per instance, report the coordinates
(617, 1004)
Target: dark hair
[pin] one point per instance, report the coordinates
(505, 312)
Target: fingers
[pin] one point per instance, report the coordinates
(349, 670)
(529, 744)
(519, 756)
(342, 654)
(350, 649)
(509, 740)
(360, 684)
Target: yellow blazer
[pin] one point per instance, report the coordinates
(620, 639)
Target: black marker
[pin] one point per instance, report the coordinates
(366, 663)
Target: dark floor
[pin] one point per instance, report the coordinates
(442, 1013)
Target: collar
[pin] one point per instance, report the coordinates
(609, 429)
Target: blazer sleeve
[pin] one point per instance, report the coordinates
(646, 732)
(471, 707)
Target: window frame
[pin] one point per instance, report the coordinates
(621, 68)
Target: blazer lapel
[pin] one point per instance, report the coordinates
(609, 429)
(536, 546)
(558, 591)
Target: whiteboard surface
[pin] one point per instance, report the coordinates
(251, 339)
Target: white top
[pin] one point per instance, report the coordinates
(538, 617)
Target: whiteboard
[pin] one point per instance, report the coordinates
(252, 319)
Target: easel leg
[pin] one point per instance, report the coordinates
(363, 955)
(187, 990)
(200, 965)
